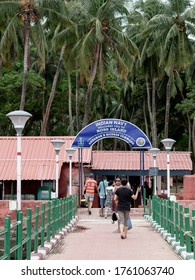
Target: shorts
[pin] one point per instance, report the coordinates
(89, 198)
(102, 201)
(123, 217)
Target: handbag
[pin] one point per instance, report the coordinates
(114, 217)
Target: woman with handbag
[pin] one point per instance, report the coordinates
(122, 198)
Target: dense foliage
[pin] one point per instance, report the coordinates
(69, 63)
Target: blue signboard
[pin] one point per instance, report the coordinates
(111, 128)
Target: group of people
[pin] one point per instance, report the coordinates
(115, 196)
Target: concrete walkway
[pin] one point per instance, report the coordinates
(97, 239)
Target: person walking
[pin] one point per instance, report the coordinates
(109, 196)
(102, 194)
(89, 190)
(122, 199)
(114, 206)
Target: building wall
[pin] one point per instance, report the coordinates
(189, 187)
(5, 209)
(64, 180)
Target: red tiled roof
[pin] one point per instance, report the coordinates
(123, 160)
(38, 157)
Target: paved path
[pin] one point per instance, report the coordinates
(96, 239)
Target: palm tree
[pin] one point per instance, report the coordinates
(64, 39)
(171, 31)
(25, 17)
(101, 33)
(148, 65)
(52, 93)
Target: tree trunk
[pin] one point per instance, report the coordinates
(70, 104)
(77, 100)
(149, 107)
(25, 63)
(52, 94)
(90, 86)
(189, 134)
(154, 125)
(167, 109)
(145, 116)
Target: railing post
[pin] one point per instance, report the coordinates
(161, 212)
(53, 218)
(75, 205)
(56, 215)
(28, 233)
(19, 232)
(70, 208)
(187, 230)
(60, 214)
(150, 207)
(169, 216)
(43, 225)
(181, 227)
(66, 210)
(36, 229)
(63, 213)
(176, 222)
(156, 209)
(153, 208)
(7, 222)
(172, 219)
(165, 214)
(48, 221)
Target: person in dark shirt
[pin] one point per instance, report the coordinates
(122, 198)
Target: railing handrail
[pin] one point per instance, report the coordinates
(175, 219)
(35, 229)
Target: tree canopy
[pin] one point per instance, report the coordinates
(70, 63)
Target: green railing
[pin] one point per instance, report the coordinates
(26, 234)
(176, 221)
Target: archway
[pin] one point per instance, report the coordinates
(110, 128)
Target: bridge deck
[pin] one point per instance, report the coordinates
(97, 239)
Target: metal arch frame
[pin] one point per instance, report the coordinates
(110, 128)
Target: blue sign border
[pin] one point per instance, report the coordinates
(111, 128)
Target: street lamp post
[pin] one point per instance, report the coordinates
(57, 146)
(70, 153)
(19, 119)
(154, 152)
(168, 143)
